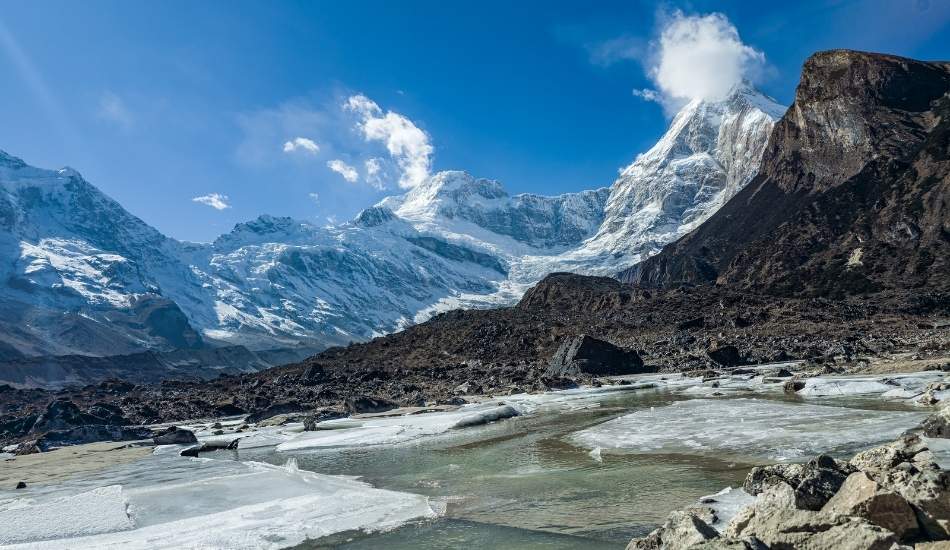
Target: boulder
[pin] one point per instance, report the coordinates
(793, 385)
(775, 520)
(724, 354)
(863, 497)
(812, 483)
(21, 485)
(310, 423)
(584, 354)
(175, 436)
(681, 530)
(368, 404)
(938, 424)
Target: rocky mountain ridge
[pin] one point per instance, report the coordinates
(852, 196)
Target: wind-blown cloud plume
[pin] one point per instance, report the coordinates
(699, 57)
(348, 172)
(214, 200)
(302, 144)
(408, 145)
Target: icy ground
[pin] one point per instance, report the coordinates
(170, 501)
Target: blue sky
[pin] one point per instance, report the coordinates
(161, 103)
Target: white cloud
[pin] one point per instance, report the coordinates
(374, 167)
(315, 197)
(302, 144)
(113, 109)
(700, 57)
(214, 200)
(406, 143)
(348, 172)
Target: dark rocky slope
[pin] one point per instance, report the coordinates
(852, 195)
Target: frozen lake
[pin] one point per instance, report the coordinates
(583, 467)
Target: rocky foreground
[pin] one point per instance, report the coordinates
(893, 496)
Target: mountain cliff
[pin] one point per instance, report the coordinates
(852, 195)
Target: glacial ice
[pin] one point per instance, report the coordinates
(203, 503)
(744, 427)
(396, 429)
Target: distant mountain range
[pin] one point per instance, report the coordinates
(85, 276)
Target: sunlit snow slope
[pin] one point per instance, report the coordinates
(84, 276)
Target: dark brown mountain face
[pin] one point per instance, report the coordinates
(852, 196)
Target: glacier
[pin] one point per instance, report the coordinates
(88, 277)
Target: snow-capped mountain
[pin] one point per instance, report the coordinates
(86, 276)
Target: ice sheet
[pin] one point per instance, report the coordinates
(176, 502)
(752, 429)
(101, 510)
(397, 429)
(891, 386)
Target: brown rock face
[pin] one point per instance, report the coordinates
(862, 497)
(853, 194)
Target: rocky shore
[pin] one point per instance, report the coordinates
(892, 496)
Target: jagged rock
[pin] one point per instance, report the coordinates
(62, 414)
(310, 423)
(588, 355)
(812, 484)
(793, 386)
(175, 436)
(681, 530)
(21, 485)
(726, 355)
(863, 497)
(367, 404)
(190, 451)
(938, 424)
(774, 520)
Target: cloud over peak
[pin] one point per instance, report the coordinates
(699, 57)
(407, 144)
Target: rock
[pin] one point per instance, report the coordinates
(938, 424)
(863, 497)
(310, 423)
(175, 436)
(726, 355)
(21, 485)
(774, 520)
(793, 386)
(367, 404)
(108, 414)
(228, 408)
(681, 530)
(812, 484)
(190, 451)
(286, 407)
(90, 434)
(588, 355)
(906, 467)
(62, 414)
(454, 401)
